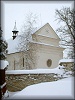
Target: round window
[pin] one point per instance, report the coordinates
(49, 62)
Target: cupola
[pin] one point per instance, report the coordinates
(15, 31)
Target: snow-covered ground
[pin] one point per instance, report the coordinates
(9, 94)
(58, 89)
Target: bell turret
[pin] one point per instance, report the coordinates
(15, 31)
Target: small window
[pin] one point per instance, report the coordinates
(49, 62)
(14, 64)
(23, 62)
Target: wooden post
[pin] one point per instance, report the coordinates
(3, 46)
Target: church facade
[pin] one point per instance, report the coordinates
(47, 50)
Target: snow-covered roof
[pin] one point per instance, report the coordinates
(45, 44)
(48, 37)
(4, 64)
(66, 60)
(12, 45)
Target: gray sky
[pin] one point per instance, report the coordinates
(12, 11)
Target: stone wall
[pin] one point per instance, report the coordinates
(17, 82)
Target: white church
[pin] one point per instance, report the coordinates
(47, 53)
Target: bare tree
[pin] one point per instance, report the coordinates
(25, 46)
(65, 17)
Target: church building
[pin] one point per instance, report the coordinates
(47, 53)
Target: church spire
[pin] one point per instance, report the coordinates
(15, 29)
(15, 32)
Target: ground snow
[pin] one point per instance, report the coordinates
(8, 95)
(58, 89)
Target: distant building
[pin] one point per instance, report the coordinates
(67, 63)
(48, 52)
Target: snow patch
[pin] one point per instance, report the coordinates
(66, 60)
(12, 45)
(36, 71)
(3, 63)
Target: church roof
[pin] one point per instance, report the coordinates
(13, 44)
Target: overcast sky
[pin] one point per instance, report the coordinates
(12, 11)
